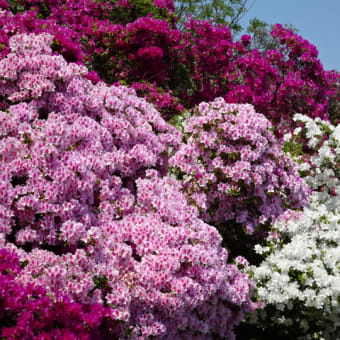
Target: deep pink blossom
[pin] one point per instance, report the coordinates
(132, 43)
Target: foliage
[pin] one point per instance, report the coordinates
(228, 13)
(262, 40)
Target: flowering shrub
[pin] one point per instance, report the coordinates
(137, 41)
(89, 32)
(81, 28)
(28, 312)
(165, 102)
(87, 208)
(203, 62)
(233, 169)
(299, 280)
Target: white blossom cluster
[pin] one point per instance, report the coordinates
(299, 280)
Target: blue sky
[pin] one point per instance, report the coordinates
(318, 21)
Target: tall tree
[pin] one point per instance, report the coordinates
(261, 38)
(228, 12)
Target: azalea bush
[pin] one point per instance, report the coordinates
(278, 82)
(138, 41)
(299, 281)
(28, 312)
(81, 29)
(234, 170)
(89, 211)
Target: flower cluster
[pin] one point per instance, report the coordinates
(168, 105)
(233, 169)
(61, 145)
(28, 312)
(299, 280)
(137, 41)
(88, 208)
(203, 62)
